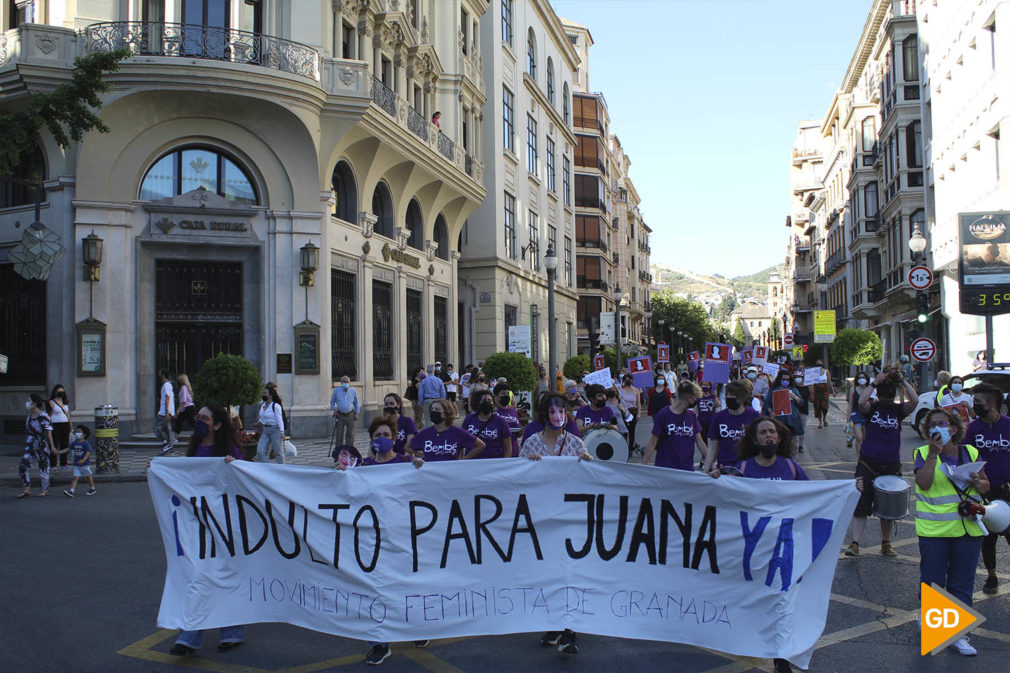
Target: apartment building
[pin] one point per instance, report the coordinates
(273, 185)
(805, 183)
(530, 146)
(965, 85)
(631, 256)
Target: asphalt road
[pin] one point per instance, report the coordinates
(82, 582)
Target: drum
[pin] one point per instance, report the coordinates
(890, 498)
(606, 444)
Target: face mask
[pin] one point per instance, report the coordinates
(732, 403)
(266, 397)
(943, 432)
(345, 386)
(28, 405)
(979, 409)
(660, 383)
(436, 417)
(861, 382)
(768, 450)
(503, 400)
(935, 382)
(752, 375)
(438, 369)
(389, 411)
(956, 387)
(785, 383)
(79, 436)
(200, 428)
(382, 444)
(485, 407)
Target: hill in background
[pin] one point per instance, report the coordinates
(705, 288)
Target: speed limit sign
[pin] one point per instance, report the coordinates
(920, 277)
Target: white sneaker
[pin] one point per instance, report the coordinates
(964, 648)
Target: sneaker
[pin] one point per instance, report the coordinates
(567, 645)
(421, 643)
(180, 650)
(782, 666)
(91, 491)
(378, 654)
(853, 549)
(964, 648)
(67, 492)
(229, 645)
(166, 449)
(550, 639)
(887, 550)
(991, 586)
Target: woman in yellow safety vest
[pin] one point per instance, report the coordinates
(949, 543)
(942, 379)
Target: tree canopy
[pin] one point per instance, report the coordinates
(685, 315)
(856, 347)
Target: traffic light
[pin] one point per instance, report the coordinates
(922, 306)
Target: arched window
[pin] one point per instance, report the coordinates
(566, 105)
(32, 168)
(531, 54)
(415, 226)
(382, 208)
(550, 80)
(345, 193)
(441, 237)
(185, 169)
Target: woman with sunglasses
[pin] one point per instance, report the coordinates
(950, 536)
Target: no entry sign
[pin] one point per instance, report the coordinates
(923, 349)
(787, 340)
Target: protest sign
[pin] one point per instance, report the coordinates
(662, 354)
(813, 375)
(693, 360)
(641, 371)
(717, 357)
(599, 362)
(771, 369)
(600, 376)
(747, 356)
(781, 404)
(464, 548)
(760, 355)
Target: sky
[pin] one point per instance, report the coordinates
(705, 96)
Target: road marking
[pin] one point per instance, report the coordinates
(994, 635)
(430, 661)
(323, 665)
(141, 650)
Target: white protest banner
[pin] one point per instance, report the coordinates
(771, 369)
(601, 377)
(813, 375)
(460, 548)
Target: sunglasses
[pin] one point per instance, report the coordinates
(939, 424)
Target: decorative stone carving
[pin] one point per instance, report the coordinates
(424, 30)
(402, 234)
(432, 248)
(366, 248)
(45, 43)
(347, 76)
(431, 269)
(367, 221)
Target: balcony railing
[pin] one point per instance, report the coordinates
(203, 42)
(873, 224)
(591, 243)
(590, 202)
(878, 290)
(417, 123)
(591, 283)
(446, 146)
(383, 96)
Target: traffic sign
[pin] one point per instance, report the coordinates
(920, 277)
(923, 349)
(787, 340)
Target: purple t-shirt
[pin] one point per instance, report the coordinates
(882, 441)
(587, 415)
(536, 426)
(676, 438)
(397, 458)
(404, 426)
(728, 429)
(511, 416)
(706, 409)
(208, 452)
(993, 443)
(493, 434)
(781, 470)
(434, 445)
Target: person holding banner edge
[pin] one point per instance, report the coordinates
(442, 440)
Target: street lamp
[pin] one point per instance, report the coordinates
(91, 249)
(917, 244)
(551, 264)
(662, 321)
(618, 296)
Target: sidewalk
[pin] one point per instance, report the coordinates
(133, 461)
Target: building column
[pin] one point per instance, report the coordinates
(364, 325)
(452, 314)
(400, 75)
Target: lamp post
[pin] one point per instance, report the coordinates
(551, 264)
(307, 278)
(917, 244)
(662, 322)
(91, 251)
(618, 295)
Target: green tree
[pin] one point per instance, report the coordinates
(720, 313)
(575, 365)
(228, 380)
(66, 110)
(739, 336)
(856, 347)
(686, 316)
(516, 367)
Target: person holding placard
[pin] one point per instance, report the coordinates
(676, 433)
(880, 453)
(783, 402)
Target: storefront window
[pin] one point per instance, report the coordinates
(182, 171)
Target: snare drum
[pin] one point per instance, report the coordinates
(890, 498)
(606, 444)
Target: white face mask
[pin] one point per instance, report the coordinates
(79, 436)
(28, 405)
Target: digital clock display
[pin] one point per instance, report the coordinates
(983, 300)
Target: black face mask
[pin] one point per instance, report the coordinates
(389, 411)
(732, 403)
(768, 450)
(436, 417)
(503, 400)
(979, 409)
(485, 407)
(266, 398)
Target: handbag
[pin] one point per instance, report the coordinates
(289, 448)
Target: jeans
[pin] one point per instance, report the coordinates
(162, 430)
(228, 634)
(345, 428)
(949, 563)
(271, 436)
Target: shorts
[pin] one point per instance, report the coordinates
(82, 470)
(870, 469)
(857, 418)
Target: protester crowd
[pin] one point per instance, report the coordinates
(751, 426)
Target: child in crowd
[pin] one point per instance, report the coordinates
(82, 461)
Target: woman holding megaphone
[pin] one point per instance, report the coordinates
(946, 514)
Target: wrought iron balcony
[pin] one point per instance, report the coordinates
(383, 96)
(446, 146)
(213, 43)
(417, 123)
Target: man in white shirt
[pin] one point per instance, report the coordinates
(166, 412)
(450, 386)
